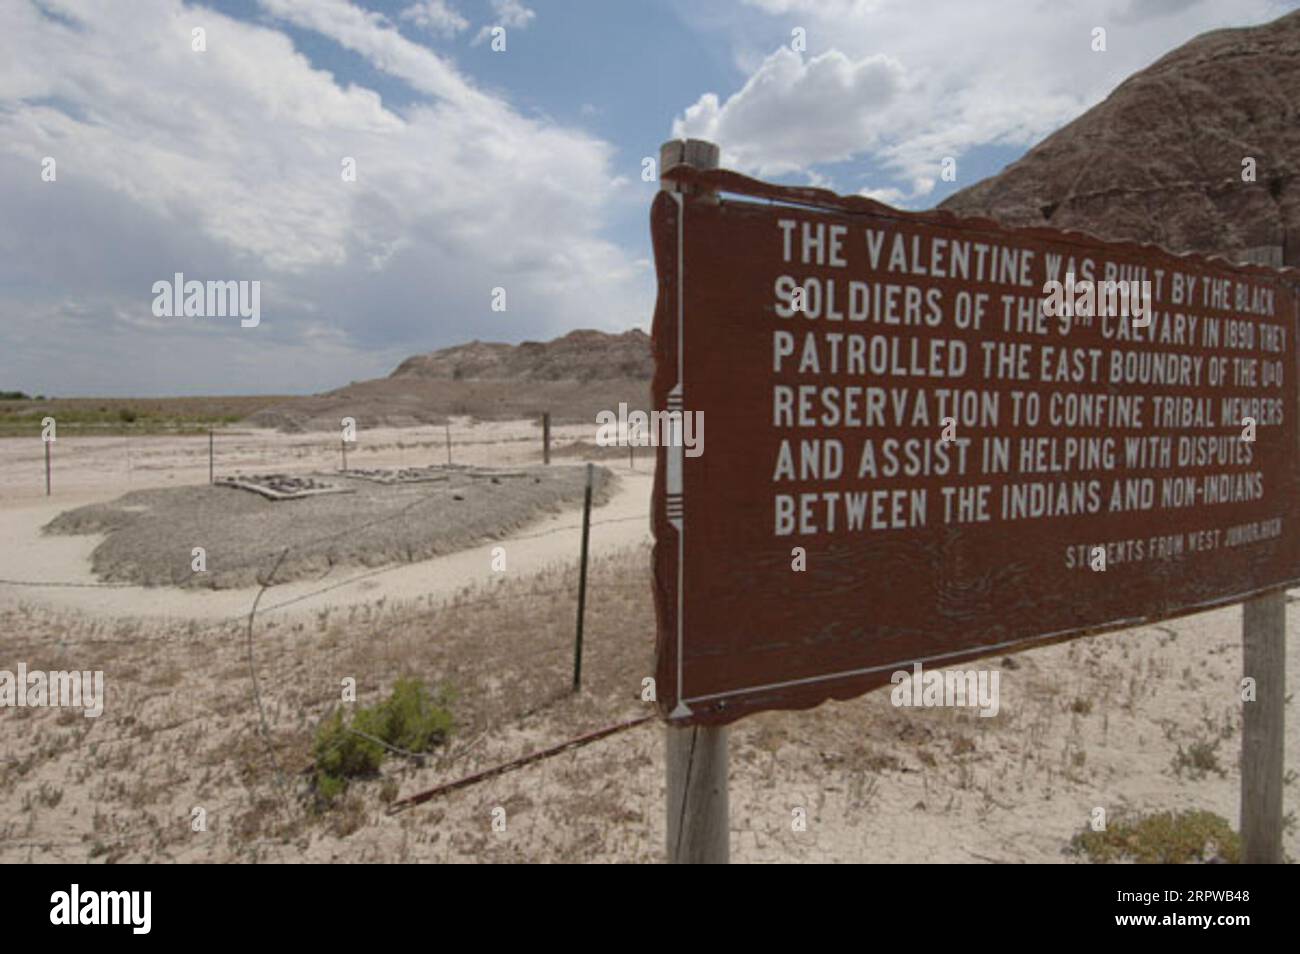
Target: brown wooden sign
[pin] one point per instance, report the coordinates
(919, 450)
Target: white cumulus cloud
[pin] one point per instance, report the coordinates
(905, 83)
(435, 16)
(506, 13)
(794, 111)
(227, 165)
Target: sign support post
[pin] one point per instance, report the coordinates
(698, 818)
(1263, 638)
(1263, 644)
(698, 823)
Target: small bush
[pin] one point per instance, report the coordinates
(1165, 839)
(409, 719)
(341, 755)
(1198, 760)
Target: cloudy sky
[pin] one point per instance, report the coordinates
(475, 168)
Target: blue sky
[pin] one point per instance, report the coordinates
(476, 168)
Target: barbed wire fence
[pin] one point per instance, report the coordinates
(242, 450)
(452, 603)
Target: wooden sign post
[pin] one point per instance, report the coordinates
(698, 818)
(1263, 643)
(1263, 632)
(936, 439)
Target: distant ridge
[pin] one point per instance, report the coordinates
(572, 377)
(578, 356)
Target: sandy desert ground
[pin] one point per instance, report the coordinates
(94, 470)
(1141, 721)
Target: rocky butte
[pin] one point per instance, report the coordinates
(1161, 159)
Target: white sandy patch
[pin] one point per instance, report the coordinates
(94, 470)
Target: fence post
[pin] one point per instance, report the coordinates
(546, 437)
(582, 583)
(447, 425)
(211, 480)
(47, 468)
(1263, 645)
(698, 815)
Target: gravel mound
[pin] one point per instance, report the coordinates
(151, 533)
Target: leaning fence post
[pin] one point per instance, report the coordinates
(582, 582)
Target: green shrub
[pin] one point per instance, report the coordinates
(410, 719)
(1165, 838)
(1199, 759)
(341, 754)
